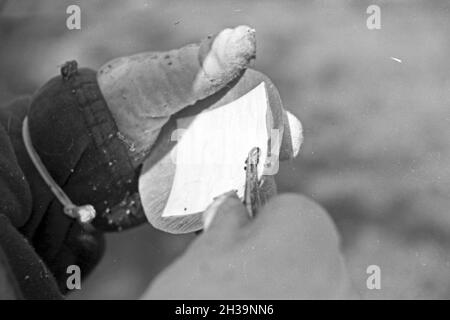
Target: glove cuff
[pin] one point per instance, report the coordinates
(77, 139)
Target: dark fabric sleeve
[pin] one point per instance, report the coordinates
(22, 272)
(28, 276)
(15, 200)
(9, 289)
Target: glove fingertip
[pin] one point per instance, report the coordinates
(292, 137)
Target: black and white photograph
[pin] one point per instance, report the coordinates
(224, 155)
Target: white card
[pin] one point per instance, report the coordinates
(210, 154)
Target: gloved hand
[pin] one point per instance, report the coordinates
(290, 250)
(94, 130)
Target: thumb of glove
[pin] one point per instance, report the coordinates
(144, 90)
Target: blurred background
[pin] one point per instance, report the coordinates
(377, 130)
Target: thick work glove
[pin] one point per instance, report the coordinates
(94, 130)
(290, 250)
